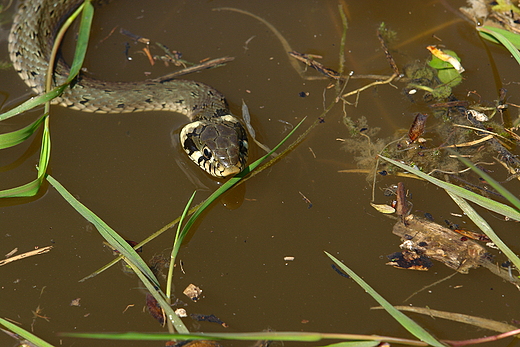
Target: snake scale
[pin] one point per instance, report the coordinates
(215, 139)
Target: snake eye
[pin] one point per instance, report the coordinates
(207, 153)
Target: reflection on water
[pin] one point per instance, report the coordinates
(122, 167)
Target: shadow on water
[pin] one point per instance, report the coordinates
(124, 168)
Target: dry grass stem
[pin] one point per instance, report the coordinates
(25, 255)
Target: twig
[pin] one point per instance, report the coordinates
(343, 39)
(309, 61)
(375, 83)
(458, 172)
(306, 199)
(480, 130)
(206, 65)
(388, 56)
(482, 339)
(25, 255)
(471, 143)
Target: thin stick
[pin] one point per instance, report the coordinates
(480, 130)
(206, 65)
(471, 143)
(388, 56)
(343, 39)
(375, 83)
(25, 255)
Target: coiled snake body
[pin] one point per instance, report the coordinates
(215, 139)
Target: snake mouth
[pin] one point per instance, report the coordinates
(218, 145)
(230, 171)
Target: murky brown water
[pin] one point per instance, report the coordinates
(123, 167)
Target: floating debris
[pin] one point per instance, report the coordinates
(308, 59)
(155, 309)
(442, 244)
(410, 260)
(193, 292)
(208, 318)
(481, 117)
(402, 207)
(417, 128)
(339, 271)
(306, 200)
(181, 312)
(383, 208)
(453, 61)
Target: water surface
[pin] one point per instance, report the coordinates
(124, 168)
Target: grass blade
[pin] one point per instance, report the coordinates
(24, 333)
(500, 35)
(400, 317)
(108, 233)
(11, 139)
(32, 188)
(230, 183)
(498, 187)
(87, 13)
(129, 255)
(511, 37)
(161, 299)
(486, 229)
(203, 205)
(79, 56)
(274, 336)
(32, 103)
(176, 246)
(464, 193)
(18, 136)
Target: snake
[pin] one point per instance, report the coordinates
(214, 139)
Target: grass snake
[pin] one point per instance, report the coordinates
(215, 139)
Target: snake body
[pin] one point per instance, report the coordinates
(215, 139)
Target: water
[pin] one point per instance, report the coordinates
(123, 167)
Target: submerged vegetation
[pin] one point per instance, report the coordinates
(461, 129)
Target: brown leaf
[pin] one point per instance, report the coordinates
(417, 127)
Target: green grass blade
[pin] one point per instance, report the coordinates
(176, 246)
(498, 187)
(111, 236)
(400, 317)
(32, 103)
(129, 255)
(254, 336)
(203, 205)
(486, 228)
(161, 299)
(45, 150)
(464, 193)
(230, 183)
(18, 136)
(87, 13)
(24, 333)
(31, 188)
(13, 138)
(26, 190)
(511, 37)
(500, 37)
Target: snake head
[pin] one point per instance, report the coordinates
(218, 145)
